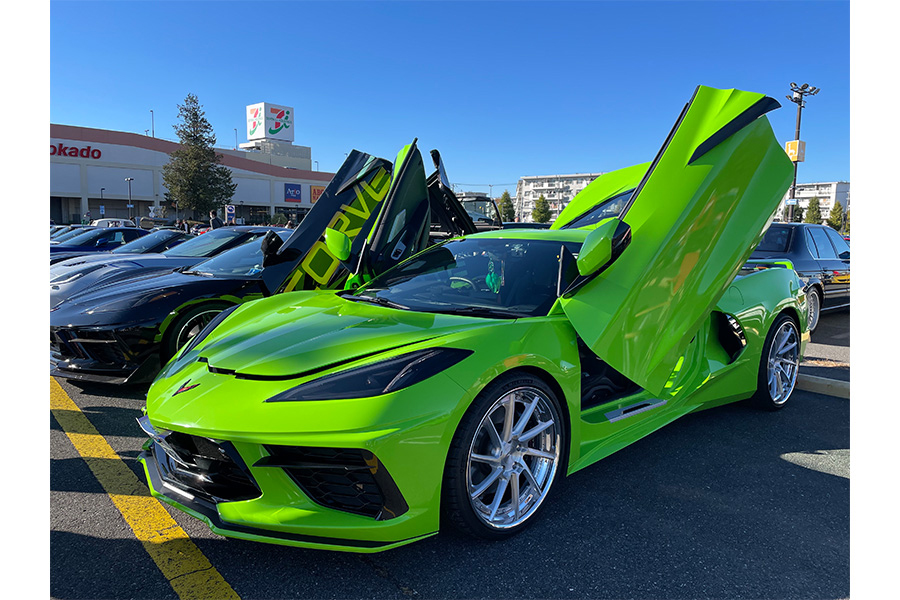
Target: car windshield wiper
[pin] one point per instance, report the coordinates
(198, 273)
(376, 300)
(481, 311)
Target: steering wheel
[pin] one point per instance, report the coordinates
(464, 280)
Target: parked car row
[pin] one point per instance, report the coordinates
(386, 367)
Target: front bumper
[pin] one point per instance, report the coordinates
(349, 489)
(103, 355)
(164, 484)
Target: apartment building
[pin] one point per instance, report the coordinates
(828, 192)
(557, 189)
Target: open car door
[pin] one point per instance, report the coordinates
(694, 218)
(354, 194)
(416, 213)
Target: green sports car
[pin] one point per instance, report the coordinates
(459, 385)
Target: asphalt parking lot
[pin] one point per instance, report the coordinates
(828, 353)
(730, 502)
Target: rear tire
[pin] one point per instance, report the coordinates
(814, 308)
(511, 443)
(779, 364)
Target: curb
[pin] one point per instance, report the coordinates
(823, 385)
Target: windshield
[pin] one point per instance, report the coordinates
(504, 278)
(206, 244)
(85, 238)
(145, 243)
(611, 208)
(245, 260)
(481, 210)
(68, 235)
(775, 240)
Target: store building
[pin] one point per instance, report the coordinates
(558, 190)
(98, 173)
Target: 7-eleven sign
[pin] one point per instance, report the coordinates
(270, 122)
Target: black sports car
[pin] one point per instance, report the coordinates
(821, 257)
(101, 239)
(76, 275)
(125, 331)
(155, 241)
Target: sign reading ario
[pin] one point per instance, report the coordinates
(270, 122)
(74, 151)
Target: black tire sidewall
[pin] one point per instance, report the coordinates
(818, 295)
(455, 497)
(762, 398)
(167, 348)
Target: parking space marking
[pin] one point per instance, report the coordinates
(185, 567)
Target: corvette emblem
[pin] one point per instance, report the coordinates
(185, 387)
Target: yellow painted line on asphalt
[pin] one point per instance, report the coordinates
(183, 564)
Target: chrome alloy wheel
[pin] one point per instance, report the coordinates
(783, 362)
(194, 325)
(513, 457)
(813, 303)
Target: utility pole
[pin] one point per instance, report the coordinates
(798, 97)
(129, 180)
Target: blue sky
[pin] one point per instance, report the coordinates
(502, 89)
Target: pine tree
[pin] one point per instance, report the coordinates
(541, 212)
(813, 212)
(836, 216)
(507, 210)
(798, 214)
(193, 175)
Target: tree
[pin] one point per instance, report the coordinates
(507, 210)
(193, 175)
(813, 212)
(836, 216)
(798, 215)
(541, 212)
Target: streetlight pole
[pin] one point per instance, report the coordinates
(317, 164)
(798, 97)
(235, 138)
(129, 180)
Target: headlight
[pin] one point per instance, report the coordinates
(195, 341)
(377, 378)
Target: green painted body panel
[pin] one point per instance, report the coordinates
(599, 190)
(693, 224)
(298, 337)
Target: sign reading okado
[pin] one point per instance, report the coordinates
(74, 151)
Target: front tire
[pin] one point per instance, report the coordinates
(507, 453)
(186, 326)
(779, 364)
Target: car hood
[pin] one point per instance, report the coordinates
(298, 333)
(76, 276)
(138, 299)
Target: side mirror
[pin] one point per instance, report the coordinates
(597, 248)
(270, 244)
(337, 243)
